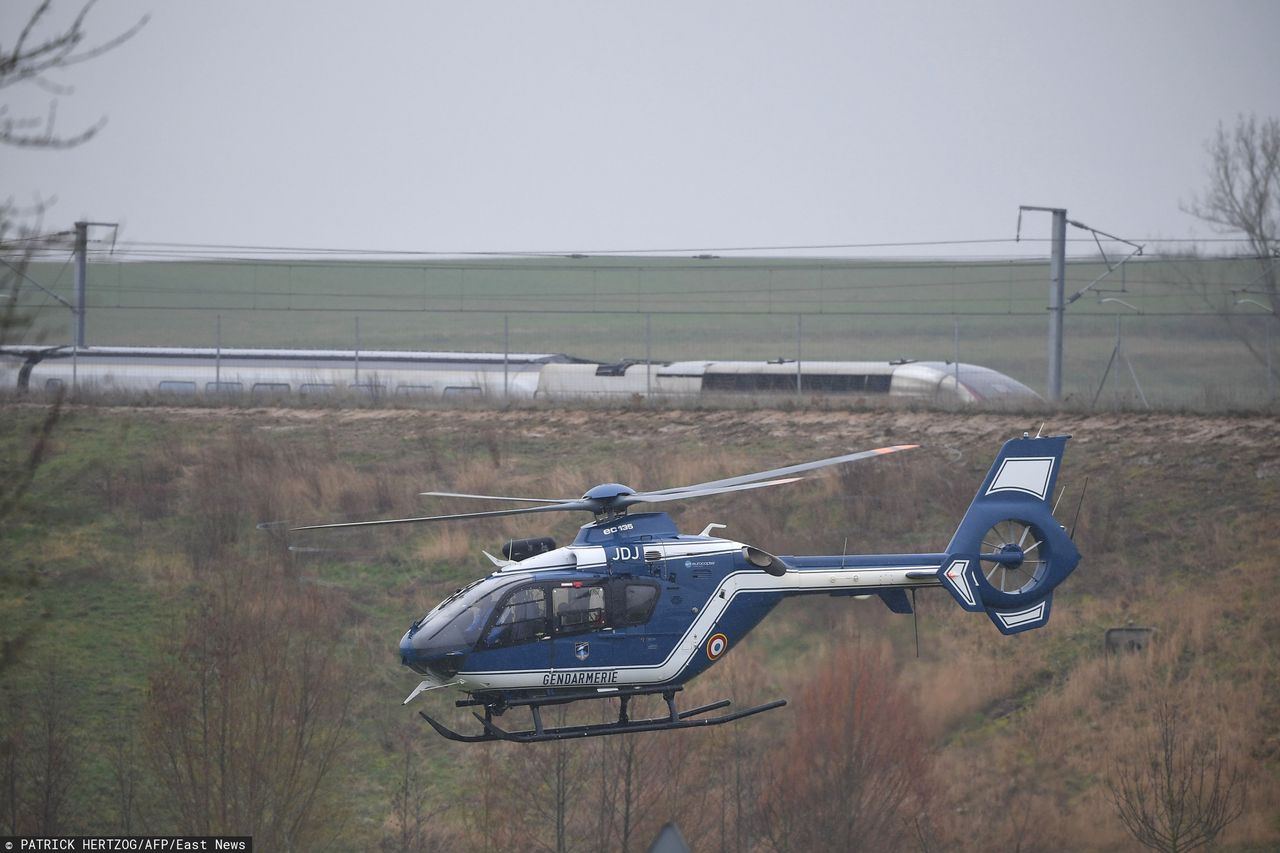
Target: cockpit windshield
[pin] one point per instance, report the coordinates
(457, 621)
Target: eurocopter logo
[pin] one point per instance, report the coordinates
(689, 564)
(581, 650)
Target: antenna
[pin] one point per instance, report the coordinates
(1059, 500)
(1083, 489)
(915, 621)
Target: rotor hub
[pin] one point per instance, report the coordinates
(608, 492)
(1012, 554)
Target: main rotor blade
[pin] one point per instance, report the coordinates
(614, 504)
(567, 506)
(495, 497)
(659, 497)
(790, 469)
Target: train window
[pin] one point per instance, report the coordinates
(414, 391)
(315, 388)
(828, 383)
(223, 387)
(54, 384)
(456, 391)
(577, 608)
(269, 389)
(175, 387)
(522, 617)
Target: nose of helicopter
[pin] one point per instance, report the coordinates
(423, 656)
(415, 652)
(408, 654)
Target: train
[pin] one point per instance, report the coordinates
(404, 375)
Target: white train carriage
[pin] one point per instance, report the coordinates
(406, 375)
(934, 381)
(273, 373)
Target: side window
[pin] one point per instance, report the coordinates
(577, 608)
(523, 617)
(638, 601)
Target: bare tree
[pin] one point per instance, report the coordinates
(553, 780)
(13, 739)
(39, 758)
(854, 770)
(1181, 792)
(41, 51)
(21, 464)
(248, 718)
(126, 773)
(1244, 194)
(624, 796)
(494, 817)
(38, 53)
(414, 825)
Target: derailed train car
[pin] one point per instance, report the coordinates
(934, 381)
(274, 373)
(407, 375)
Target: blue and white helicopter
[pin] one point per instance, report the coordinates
(634, 607)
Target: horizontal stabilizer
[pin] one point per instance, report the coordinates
(959, 577)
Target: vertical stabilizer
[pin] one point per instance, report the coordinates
(1009, 552)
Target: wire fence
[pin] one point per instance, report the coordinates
(1169, 332)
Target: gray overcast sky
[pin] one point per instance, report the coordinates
(548, 126)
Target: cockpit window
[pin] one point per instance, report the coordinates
(523, 617)
(459, 619)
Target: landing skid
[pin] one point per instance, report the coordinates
(675, 718)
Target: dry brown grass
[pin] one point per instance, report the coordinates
(449, 543)
(1021, 729)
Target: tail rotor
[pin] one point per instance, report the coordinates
(1009, 552)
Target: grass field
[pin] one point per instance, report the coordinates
(1189, 346)
(136, 595)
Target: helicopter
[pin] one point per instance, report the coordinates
(632, 607)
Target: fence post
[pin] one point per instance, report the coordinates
(956, 362)
(648, 357)
(799, 352)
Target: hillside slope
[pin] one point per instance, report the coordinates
(136, 587)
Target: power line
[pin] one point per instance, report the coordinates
(716, 312)
(217, 250)
(1002, 291)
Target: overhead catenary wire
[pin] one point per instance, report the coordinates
(716, 311)
(219, 250)
(1017, 294)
